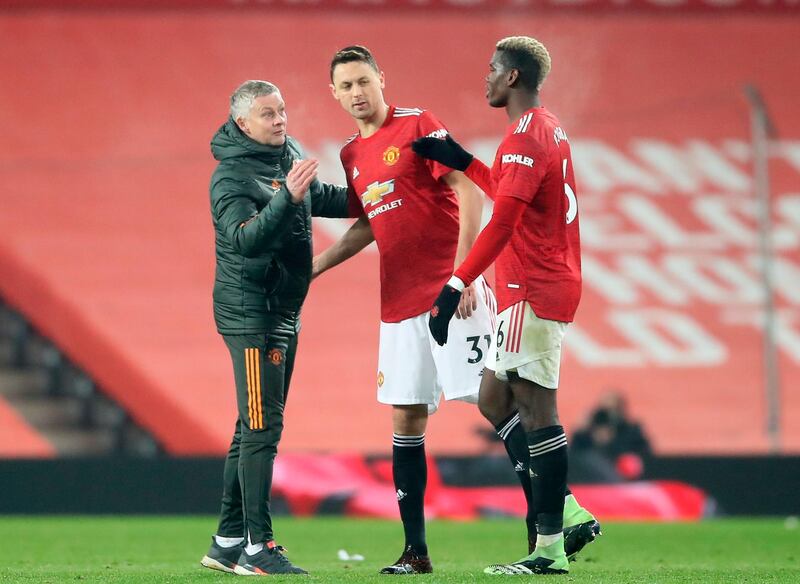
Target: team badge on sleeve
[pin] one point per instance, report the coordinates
(275, 356)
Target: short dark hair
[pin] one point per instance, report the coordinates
(528, 56)
(351, 54)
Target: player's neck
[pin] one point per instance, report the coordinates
(369, 126)
(519, 103)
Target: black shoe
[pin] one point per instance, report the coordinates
(221, 558)
(268, 561)
(410, 563)
(577, 536)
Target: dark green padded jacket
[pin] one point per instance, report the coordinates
(263, 240)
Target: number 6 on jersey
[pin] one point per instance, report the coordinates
(572, 210)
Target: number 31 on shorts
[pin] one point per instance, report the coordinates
(476, 353)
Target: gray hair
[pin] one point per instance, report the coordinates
(244, 96)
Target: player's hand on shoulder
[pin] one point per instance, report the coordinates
(300, 177)
(447, 151)
(442, 312)
(468, 303)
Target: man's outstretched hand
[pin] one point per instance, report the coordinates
(442, 312)
(447, 151)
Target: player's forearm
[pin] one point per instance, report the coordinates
(487, 248)
(507, 213)
(470, 208)
(481, 175)
(353, 241)
(469, 227)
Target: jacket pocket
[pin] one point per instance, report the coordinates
(275, 277)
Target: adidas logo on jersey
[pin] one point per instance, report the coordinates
(517, 159)
(355, 172)
(440, 133)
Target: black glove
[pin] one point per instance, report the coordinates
(442, 312)
(447, 151)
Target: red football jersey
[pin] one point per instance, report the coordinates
(542, 261)
(413, 214)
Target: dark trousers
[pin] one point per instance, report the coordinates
(262, 368)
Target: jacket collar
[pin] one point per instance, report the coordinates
(230, 142)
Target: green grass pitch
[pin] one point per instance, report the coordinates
(168, 549)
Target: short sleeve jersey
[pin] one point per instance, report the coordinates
(413, 214)
(542, 261)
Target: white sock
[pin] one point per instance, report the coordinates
(252, 548)
(228, 542)
(545, 540)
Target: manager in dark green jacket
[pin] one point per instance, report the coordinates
(263, 194)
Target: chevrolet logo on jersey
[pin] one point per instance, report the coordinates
(376, 191)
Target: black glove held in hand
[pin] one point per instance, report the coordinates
(442, 312)
(447, 151)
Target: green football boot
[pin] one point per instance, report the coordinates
(580, 527)
(548, 559)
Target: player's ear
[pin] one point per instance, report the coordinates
(242, 123)
(511, 77)
(382, 77)
(333, 91)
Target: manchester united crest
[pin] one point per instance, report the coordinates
(391, 155)
(275, 356)
(276, 186)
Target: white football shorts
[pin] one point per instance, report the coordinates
(413, 369)
(527, 345)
